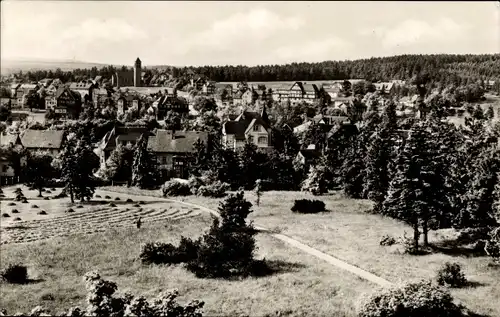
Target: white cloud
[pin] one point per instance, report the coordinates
(413, 31)
(103, 30)
(316, 50)
(243, 29)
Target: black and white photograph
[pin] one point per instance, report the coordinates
(250, 158)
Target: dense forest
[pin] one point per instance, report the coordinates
(446, 69)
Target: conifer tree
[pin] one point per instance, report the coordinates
(316, 181)
(144, 166)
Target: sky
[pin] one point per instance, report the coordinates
(198, 33)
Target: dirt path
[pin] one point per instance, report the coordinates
(295, 243)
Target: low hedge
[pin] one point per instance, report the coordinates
(306, 206)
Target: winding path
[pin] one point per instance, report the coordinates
(295, 243)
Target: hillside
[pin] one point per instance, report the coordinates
(14, 66)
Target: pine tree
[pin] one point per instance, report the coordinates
(144, 167)
(352, 171)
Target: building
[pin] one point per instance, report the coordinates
(100, 96)
(168, 101)
(7, 172)
(119, 135)
(128, 78)
(126, 102)
(23, 92)
(386, 88)
(46, 82)
(173, 149)
(65, 103)
(50, 141)
(250, 127)
(307, 157)
(85, 89)
(13, 89)
(208, 88)
(298, 92)
(198, 83)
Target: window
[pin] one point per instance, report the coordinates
(256, 127)
(263, 140)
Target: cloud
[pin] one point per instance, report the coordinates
(91, 30)
(243, 29)
(413, 31)
(315, 50)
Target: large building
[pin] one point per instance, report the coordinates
(128, 78)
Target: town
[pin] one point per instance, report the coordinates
(314, 186)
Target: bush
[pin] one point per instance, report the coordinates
(34, 206)
(471, 235)
(167, 253)
(129, 200)
(112, 205)
(175, 188)
(46, 198)
(492, 246)
(306, 206)
(70, 210)
(15, 211)
(17, 219)
(79, 207)
(387, 240)
(107, 197)
(136, 205)
(19, 197)
(408, 244)
(214, 190)
(11, 204)
(101, 302)
(450, 274)
(5, 215)
(15, 274)
(142, 202)
(413, 299)
(97, 196)
(42, 212)
(24, 201)
(117, 198)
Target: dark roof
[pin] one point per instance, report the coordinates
(337, 119)
(168, 141)
(61, 90)
(237, 128)
(43, 139)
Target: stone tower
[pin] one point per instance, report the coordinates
(137, 73)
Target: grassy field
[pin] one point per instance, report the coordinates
(301, 286)
(348, 233)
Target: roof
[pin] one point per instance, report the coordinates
(387, 86)
(28, 86)
(43, 139)
(83, 85)
(336, 119)
(6, 139)
(310, 87)
(122, 134)
(168, 141)
(46, 80)
(223, 86)
(61, 90)
(237, 128)
(97, 78)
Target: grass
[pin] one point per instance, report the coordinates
(347, 232)
(304, 286)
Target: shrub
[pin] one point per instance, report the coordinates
(97, 196)
(112, 205)
(450, 274)
(19, 197)
(471, 235)
(175, 188)
(1, 191)
(129, 200)
(408, 244)
(48, 191)
(34, 206)
(101, 302)
(142, 202)
(79, 206)
(413, 299)
(117, 198)
(17, 219)
(62, 194)
(214, 190)
(15, 211)
(167, 253)
(70, 210)
(107, 197)
(15, 274)
(42, 212)
(24, 201)
(5, 215)
(194, 183)
(306, 206)
(136, 205)
(387, 240)
(11, 204)
(492, 246)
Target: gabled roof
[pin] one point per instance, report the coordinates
(310, 88)
(122, 134)
(168, 141)
(7, 139)
(335, 119)
(72, 93)
(42, 139)
(243, 123)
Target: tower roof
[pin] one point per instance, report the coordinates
(137, 61)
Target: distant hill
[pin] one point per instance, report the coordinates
(12, 66)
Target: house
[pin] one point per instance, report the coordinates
(65, 103)
(85, 89)
(198, 83)
(334, 91)
(227, 87)
(209, 88)
(298, 92)
(331, 120)
(307, 157)
(123, 103)
(173, 149)
(100, 96)
(249, 96)
(250, 127)
(169, 102)
(13, 89)
(46, 82)
(386, 87)
(7, 172)
(50, 141)
(119, 135)
(238, 98)
(23, 92)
